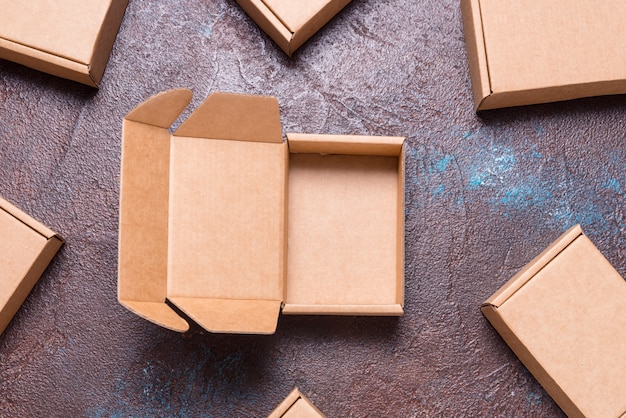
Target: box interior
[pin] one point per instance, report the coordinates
(341, 233)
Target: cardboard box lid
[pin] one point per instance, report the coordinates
(296, 405)
(215, 249)
(291, 23)
(563, 315)
(203, 217)
(532, 51)
(26, 248)
(75, 36)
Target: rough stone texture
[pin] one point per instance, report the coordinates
(485, 194)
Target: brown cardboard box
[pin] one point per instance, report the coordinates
(296, 405)
(563, 316)
(290, 24)
(26, 249)
(229, 223)
(67, 38)
(532, 51)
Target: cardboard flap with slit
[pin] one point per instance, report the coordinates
(144, 193)
(235, 117)
(230, 315)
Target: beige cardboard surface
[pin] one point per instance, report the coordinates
(207, 215)
(26, 248)
(296, 405)
(531, 51)
(290, 24)
(341, 211)
(563, 316)
(69, 38)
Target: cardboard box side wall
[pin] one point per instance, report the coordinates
(565, 323)
(268, 22)
(528, 360)
(26, 249)
(105, 40)
(144, 197)
(476, 54)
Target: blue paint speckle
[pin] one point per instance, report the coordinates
(440, 190)
(613, 185)
(442, 164)
(535, 398)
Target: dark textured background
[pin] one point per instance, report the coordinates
(485, 194)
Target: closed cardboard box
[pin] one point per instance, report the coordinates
(230, 224)
(564, 316)
(291, 23)
(296, 405)
(67, 38)
(26, 249)
(535, 51)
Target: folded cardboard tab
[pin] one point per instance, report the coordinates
(26, 249)
(524, 52)
(296, 405)
(563, 316)
(70, 38)
(207, 214)
(290, 24)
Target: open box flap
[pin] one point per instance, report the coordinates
(230, 315)
(144, 194)
(161, 109)
(235, 117)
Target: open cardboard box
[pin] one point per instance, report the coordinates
(67, 38)
(291, 23)
(534, 51)
(229, 223)
(26, 249)
(296, 405)
(564, 316)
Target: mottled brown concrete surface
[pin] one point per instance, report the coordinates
(484, 196)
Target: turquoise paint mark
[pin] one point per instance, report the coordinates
(525, 196)
(535, 398)
(440, 190)
(491, 168)
(442, 164)
(613, 185)
(477, 181)
(213, 19)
